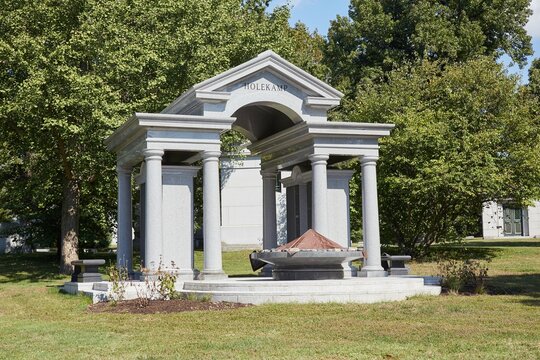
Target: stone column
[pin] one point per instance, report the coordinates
(124, 253)
(213, 268)
(269, 208)
(269, 215)
(370, 219)
(153, 201)
(142, 223)
(318, 191)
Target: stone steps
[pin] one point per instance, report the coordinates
(359, 290)
(266, 290)
(311, 288)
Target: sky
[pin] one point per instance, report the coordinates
(317, 14)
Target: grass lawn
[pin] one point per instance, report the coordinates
(37, 322)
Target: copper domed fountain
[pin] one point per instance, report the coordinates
(308, 257)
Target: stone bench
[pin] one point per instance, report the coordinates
(395, 264)
(87, 270)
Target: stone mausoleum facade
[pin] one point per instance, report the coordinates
(282, 110)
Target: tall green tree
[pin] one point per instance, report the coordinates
(381, 35)
(534, 78)
(464, 135)
(71, 71)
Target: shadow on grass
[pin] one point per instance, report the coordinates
(524, 284)
(534, 301)
(503, 243)
(460, 252)
(36, 267)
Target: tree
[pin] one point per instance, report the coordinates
(381, 35)
(464, 135)
(534, 78)
(71, 71)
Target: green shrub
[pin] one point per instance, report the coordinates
(463, 276)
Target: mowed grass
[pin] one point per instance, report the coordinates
(37, 322)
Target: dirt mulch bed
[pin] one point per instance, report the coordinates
(161, 306)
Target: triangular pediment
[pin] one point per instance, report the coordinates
(270, 62)
(268, 72)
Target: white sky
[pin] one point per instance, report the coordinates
(533, 26)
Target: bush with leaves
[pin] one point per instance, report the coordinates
(465, 134)
(459, 276)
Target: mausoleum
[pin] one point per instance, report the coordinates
(505, 218)
(282, 110)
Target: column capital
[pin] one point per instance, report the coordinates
(318, 158)
(153, 154)
(369, 160)
(269, 173)
(210, 155)
(123, 169)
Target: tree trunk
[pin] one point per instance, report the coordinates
(70, 225)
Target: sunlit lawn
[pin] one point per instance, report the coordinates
(37, 322)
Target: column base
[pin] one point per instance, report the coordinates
(181, 275)
(349, 271)
(376, 271)
(212, 275)
(186, 274)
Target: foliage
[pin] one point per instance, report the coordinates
(534, 78)
(381, 35)
(118, 277)
(464, 135)
(158, 284)
(458, 276)
(196, 297)
(72, 71)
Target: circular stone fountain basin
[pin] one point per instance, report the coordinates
(311, 256)
(307, 264)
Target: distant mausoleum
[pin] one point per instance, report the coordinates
(506, 219)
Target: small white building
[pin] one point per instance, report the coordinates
(505, 219)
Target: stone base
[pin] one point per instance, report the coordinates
(181, 275)
(255, 290)
(358, 290)
(212, 275)
(372, 273)
(185, 274)
(399, 271)
(308, 274)
(86, 277)
(76, 287)
(349, 271)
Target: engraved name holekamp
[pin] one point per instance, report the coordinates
(265, 87)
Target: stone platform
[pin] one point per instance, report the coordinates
(255, 290)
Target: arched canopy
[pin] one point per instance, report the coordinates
(258, 121)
